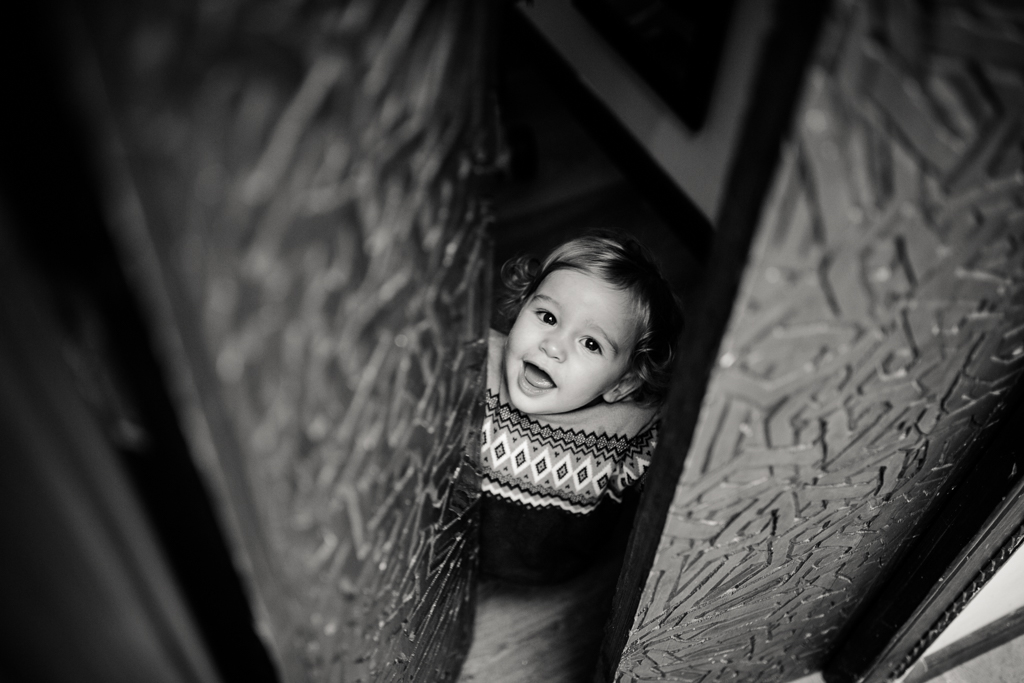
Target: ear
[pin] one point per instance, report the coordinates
(622, 389)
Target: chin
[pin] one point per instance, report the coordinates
(524, 405)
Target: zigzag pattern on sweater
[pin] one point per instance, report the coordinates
(542, 466)
(525, 486)
(531, 500)
(523, 426)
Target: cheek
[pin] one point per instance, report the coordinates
(519, 334)
(612, 376)
(516, 345)
(512, 341)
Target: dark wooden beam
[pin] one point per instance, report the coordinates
(642, 172)
(986, 638)
(780, 76)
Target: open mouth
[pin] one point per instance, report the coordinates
(536, 377)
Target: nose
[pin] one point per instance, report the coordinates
(553, 347)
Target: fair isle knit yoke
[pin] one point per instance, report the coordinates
(570, 461)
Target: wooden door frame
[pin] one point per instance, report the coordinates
(968, 539)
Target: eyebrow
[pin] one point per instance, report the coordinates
(607, 337)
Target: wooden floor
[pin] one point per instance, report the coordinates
(535, 634)
(1004, 664)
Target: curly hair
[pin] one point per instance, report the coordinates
(625, 264)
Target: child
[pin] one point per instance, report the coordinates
(573, 394)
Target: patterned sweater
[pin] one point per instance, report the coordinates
(551, 483)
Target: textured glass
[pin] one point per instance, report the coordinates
(877, 333)
(294, 183)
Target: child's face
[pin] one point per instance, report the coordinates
(571, 343)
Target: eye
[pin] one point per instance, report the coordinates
(592, 345)
(546, 317)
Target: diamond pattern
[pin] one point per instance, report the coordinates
(521, 458)
(520, 466)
